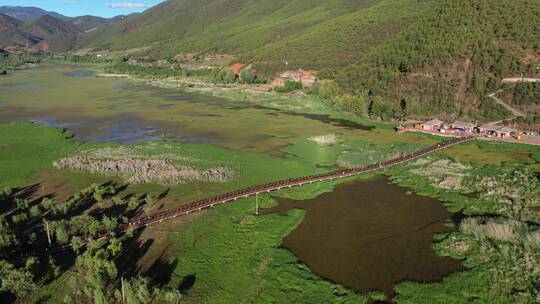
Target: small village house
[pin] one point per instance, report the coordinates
(462, 126)
(504, 132)
(306, 77)
(431, 125)
(496, 131)
(487, 129)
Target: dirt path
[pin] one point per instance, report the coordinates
(518, 80)
(515, 112)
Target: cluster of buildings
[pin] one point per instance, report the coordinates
(306, 77)
(461, 127)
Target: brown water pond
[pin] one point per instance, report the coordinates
(370, 235)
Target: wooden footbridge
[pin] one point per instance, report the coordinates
(288, 183)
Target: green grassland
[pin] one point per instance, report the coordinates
(229, 231)
(27, 150)
(236, 256)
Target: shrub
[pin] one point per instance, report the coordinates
(289, 87)
(133, 203)
(247, 77)
(35, 211)
(47, 203)
(22, 204)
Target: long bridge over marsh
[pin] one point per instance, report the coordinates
(141, 222)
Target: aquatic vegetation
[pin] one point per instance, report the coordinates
(362, 153)
(513, 259)
(480, 228)
(328, 139)
(514, 191)
(141, 171)
(441, 173)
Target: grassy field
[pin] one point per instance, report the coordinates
(493, 153)
(26, 150)
(228, 247)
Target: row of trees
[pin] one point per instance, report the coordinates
(222, 75)
(362, 103)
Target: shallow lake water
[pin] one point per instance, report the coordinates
(110, 109)
(370, 235)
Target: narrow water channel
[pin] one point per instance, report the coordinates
(369, 235)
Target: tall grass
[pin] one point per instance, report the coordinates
(500, 229)
(533, 238)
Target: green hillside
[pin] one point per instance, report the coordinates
(340, 41)
(440, 56)
(229, 26)
(452, 56)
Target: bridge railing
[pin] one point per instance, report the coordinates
(223, 198)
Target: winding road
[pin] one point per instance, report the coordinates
(515, 112)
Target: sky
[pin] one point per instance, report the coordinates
(72, 8)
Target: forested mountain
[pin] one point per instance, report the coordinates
(441, 55)
(84, 23)
(452, 56)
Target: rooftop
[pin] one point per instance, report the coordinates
(505, 130)
(490, 127)
(433, 122)
(458, 123)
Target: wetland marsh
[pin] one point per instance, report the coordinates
(368, 237)
(98, 109)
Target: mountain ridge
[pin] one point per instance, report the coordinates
(36, 29)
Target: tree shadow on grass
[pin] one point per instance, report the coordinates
(87, 202)
(161, 271)
(27, 192)
(133, 251)
(187, 283)
(164, 194)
